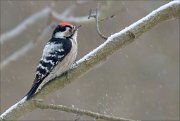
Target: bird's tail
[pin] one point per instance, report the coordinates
(32, 90)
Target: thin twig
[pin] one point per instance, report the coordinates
(81, 112)
(97, 26)
(90, 14)
(107, 18)
(95, 16)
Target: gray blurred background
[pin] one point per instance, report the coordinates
(140, 81)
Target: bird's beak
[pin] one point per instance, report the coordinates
(76, 28)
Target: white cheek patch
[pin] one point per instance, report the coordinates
(59, 35)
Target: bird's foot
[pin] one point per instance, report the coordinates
(67, 74)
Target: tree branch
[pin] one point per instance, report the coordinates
(41, 105)
(113, 43)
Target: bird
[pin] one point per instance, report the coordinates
(58, 55)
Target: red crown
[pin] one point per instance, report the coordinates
(65, 24)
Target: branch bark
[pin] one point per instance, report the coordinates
(112, 44)
(81, 112)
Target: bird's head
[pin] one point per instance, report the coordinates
(65, 30)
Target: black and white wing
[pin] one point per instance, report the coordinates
(53, 53)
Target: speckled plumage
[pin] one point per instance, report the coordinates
(58, 55)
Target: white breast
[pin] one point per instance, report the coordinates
(65, 64)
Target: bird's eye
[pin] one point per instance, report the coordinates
(70, 30)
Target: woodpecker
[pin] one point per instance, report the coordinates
(57, 57)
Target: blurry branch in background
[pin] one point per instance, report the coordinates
(46, 13)
(81, 112)
(29, 46)
(86, 63)
(24, 25)
(22, 51)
